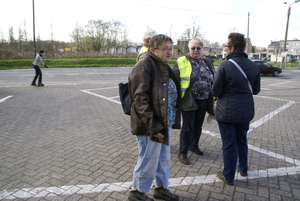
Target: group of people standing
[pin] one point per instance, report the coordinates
(158, 92)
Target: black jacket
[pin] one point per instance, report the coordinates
(148, 87)
(235, 101)
(210, 64)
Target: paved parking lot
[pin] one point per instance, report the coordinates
(71, 141)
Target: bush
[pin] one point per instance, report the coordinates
(76, 63)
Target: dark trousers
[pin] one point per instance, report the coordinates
(234, 138)
(38, 73)
(192, 127)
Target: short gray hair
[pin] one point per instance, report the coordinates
(157, 40)
(195, 40)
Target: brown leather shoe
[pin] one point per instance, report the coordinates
(183, 159)
(197, 151)
(243, 174)
(226, 181)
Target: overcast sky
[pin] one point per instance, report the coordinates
(267, 17)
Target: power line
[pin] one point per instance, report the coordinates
(172, 8)
(266, 20)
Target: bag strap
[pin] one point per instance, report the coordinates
(244, 74)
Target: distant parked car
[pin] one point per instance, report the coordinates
(266, 59)
(266, 68)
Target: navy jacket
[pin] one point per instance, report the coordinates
(235, 101)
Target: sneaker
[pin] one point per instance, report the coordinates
(34, 84)
(243, 174)
(137, 195)
(165, 194)
(40, 85)
(183, 159)
(196, 151)
(226, 181)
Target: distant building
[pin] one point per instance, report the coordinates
(275, 50)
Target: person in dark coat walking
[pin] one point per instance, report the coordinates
(38, 73)
(235, 105)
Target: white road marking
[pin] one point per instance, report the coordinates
(279, 83)
(124, 186)
(104, 97)
(4, 99)
(100, 88)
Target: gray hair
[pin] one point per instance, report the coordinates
(157, 40)
(195, 40)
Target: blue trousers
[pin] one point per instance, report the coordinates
(192, 127)
(234, 138)
(153, 162)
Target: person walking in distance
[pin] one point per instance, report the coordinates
(38, 73)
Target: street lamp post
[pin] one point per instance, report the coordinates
(33, 29)
(286, 31)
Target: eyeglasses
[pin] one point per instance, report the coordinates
(165, 49)
(227, 46)
(198, 48)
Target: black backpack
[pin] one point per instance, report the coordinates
(125, 97)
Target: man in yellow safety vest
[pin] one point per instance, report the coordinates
(148, 34)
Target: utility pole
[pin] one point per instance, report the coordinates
(34, 47)
(286, 32)
(285, 37)
(248, 33)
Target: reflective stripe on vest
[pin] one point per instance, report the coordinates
(185, 69)
(142, 51)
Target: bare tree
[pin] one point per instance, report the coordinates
(20, 40)
(113, 32)
(78, 37)
(216, 45)
(193, 30)
(124, 37)
(25, 38)
(11, 38)
(96, 32)
(39, 42)
(3, 41)
(233, 30)
(52, 40)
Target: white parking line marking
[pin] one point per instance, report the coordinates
(100, 88)
(4, 99)
(279, 83)
(269, 116)
(106, 98)
(124, 186)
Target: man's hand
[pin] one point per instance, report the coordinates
(31, 66)
(46, 66)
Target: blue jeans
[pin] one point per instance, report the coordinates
(153, 162)
(192, 127)
(234, 138)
